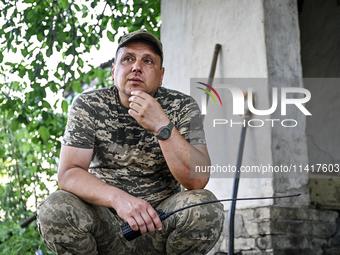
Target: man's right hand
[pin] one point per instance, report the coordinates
(137, 212)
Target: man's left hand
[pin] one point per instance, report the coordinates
(147, 111)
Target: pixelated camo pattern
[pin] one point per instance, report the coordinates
(67, 226)
(126, 155)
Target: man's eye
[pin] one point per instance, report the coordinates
(148, 61)
(128, 59)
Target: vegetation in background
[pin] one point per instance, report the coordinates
(49, 39)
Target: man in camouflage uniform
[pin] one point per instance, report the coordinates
(116, 155)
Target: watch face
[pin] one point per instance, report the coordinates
(165, 133)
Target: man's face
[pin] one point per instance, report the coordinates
(137, 67)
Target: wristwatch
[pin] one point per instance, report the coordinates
(165, 132)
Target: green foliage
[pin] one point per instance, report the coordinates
(18, 241)
(50, 39)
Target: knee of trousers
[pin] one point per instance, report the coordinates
(203, 220)
(63, 215)
(208, 216)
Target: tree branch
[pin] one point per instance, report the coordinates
(51, 26)
(99, 18)
(73, 32)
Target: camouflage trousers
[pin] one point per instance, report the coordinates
(69, 225)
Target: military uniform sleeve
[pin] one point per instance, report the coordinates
(190, 122)
(80, 128)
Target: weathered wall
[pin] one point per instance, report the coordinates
(263, 230)
(289, 145)
(320, 38)
(320, 55)
(190, 30)
(260, 40)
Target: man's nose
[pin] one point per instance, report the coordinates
(137, 67)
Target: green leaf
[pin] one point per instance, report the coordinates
(77, 7)
(46, 104)
(35, 140)
(44, 133)
(14, 125)
(64, 106)
(22, 118)
(40, 37)
(22, 72)
(57, 75)
(10, 114)
(53, 87)
(24, 52)
(139, 22)
(26, 147)
(1, 155)
(63, 3)
(80, 62)
(93, 39)
(49, 51)
(45, 116)
(76, 86)
(15, 85)
(110, 36)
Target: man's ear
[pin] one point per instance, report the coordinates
(113, 71)
(162, 75)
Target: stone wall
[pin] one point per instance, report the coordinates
(280, 230)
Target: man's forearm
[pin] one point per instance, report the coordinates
(182, 157)
(88, 187)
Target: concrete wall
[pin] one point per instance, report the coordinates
(190, 30)
(289, 145)
(320, 38)
(320, 55)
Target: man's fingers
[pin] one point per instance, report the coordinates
(155, 218)
(136, 103)
(139, 214)
(135, 107)
(146, 222)
(137, 100)
(140, 94)
(147, 111)
(149, 223)
(133, 224)
(141, 224)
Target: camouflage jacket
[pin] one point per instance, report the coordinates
(126, 155)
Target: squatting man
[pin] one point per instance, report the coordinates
(129, 147)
